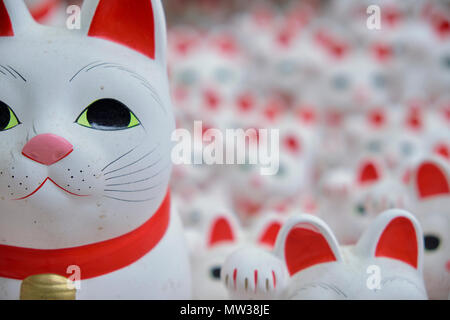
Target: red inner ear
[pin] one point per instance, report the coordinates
(431, 181)
(130, 23)
(221, 231)
(269, 236)
(6, 29)
(306, 246)
(399, 242)
(368, 173)
(442, 150)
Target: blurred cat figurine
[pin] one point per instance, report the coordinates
(431, 194)
(85, 119)
(221, 236)
(350, 201)
(308, 263)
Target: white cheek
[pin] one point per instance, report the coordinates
(19, 179)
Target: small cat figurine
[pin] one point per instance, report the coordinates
(430, 188)
(219, 236)
(86, 119)
(350, 201)
(222, 235)
(308, 263)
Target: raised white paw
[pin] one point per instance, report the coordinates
(254, 274)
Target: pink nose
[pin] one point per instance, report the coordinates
(47, 149)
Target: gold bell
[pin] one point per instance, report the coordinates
(47, 287)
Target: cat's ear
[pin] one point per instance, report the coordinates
(268, 230)
(432, 179)
(138, 24)
(369, 171)
(305, 241)
(222, 229)
(14, 18)
(394, 234)
(443, 150)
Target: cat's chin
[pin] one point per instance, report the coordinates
(52, 218)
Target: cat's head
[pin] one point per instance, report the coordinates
(221, 235)
(431, 190)
(321, 269)
(85, 121)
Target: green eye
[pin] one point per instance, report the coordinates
(108, 115)
(8, 119)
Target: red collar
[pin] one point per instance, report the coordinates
(94, 259)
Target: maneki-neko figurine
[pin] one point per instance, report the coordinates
(85, 124)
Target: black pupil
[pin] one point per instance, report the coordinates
(5, 116)
(108, 114)
(215, 272)
(431, 242)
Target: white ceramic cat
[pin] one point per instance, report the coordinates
(85, 153)
(253, 192)
(350, 201)
(431, 192)
(308, 263)
(220, 236)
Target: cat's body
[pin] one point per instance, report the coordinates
(141, 280)
(87, 158)
(430, 191)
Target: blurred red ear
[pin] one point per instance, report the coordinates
(398, 241)
(269, 236)
(130, 23)
(368, 173)
(377, 118)
(221, 231)
(6, 29)
(442, 150)
(431, 181)
(306, 246)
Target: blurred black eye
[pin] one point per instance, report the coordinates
(379, 80)
(108, 114)
(224, 75)
(341, 82)
(407, 149)
(286, 67)
(361, 209)
(281, 171)
(431, 242)
(215, 272)
(374, 146)
(188, 77)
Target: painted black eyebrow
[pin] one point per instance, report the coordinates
(11, 72)
(107, 65)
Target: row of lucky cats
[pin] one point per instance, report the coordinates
(86, 119)
(357, 111)
(308, 263)
(351, 206)
(272, 113)
(299, 64)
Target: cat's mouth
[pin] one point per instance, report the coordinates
(51, 180)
